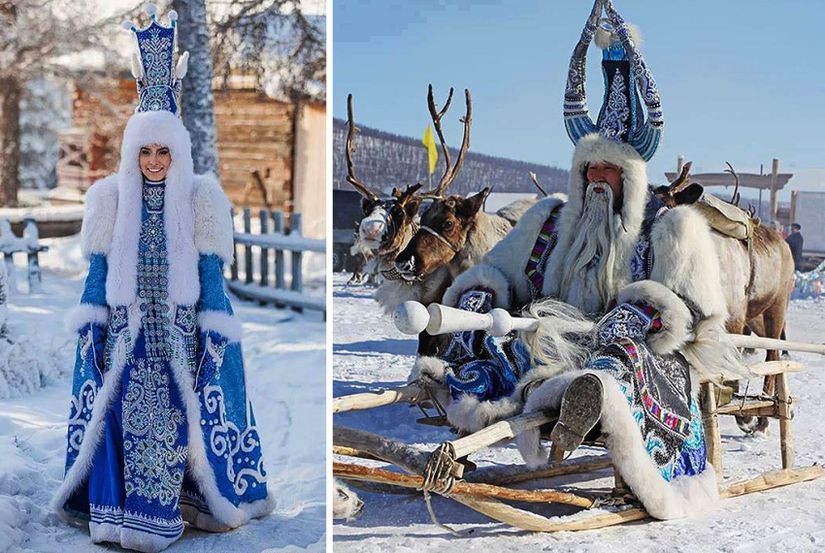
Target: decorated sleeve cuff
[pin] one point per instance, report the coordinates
(676, 320)
(481, 277)
(224, 324)
(83, 314)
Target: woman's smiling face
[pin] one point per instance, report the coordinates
(155, 160)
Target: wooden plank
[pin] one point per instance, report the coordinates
(768, 368)
(370, 400)
(297, 283)
(247, 228)
(278, 297)
(772, 479)
(278, 227)
(738, 407)
(283, 242)
(264, 268)
(503, 430)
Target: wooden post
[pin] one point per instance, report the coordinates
(8, 258)
(31, 236)
(785, 426)
(680, 162)
(278, 226)
(297, 283)
(264, 215)
(247, 250)
(233, 269)
(774, 195)
(713, 438)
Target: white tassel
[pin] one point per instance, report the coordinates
(172, 15)
(151, 9)
(137, 67)
(128, 25)
(183, 66)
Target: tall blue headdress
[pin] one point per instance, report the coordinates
(158, 80)
(628, 84)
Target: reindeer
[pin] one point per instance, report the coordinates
(454, 233)
(758, 278)
(388, 222)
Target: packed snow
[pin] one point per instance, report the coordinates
(369, 354)
(284, 353)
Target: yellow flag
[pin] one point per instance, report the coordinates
(432, 151)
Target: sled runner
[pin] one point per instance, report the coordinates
(447, 470)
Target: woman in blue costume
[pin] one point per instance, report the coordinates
(160, 428)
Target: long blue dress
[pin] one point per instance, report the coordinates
(140, 486)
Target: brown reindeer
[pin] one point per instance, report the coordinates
(758, 276)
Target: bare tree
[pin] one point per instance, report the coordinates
(274, 41)
(198, 109)
(34, 37)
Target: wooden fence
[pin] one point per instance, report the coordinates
(259, 270)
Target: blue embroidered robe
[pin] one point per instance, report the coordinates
(159, 412)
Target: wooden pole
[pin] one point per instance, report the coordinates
(680, 162)
(278, 226)
(503, 430)
(369, 400)
(233, 269)
(785, 426)
(264, 216)
(774, 195)
(383, 476)
(297, 283)
(247, 250)
(713, 438)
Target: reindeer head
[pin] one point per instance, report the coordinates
(681, 191)
(442, 235)
(385, 219)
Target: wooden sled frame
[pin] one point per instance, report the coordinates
(485, 490)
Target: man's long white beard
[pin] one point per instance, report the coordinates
(587, 281)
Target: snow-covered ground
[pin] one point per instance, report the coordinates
(285, 363)
(370, 353)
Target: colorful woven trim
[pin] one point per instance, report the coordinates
(545, 243)
(669, 420)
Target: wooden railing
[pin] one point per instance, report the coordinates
(259, 271)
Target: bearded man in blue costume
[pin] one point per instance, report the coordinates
(627, 293)
(160, 428)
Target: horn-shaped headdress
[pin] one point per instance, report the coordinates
(627, 80)
(158, 85)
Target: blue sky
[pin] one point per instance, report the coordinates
(741, 80)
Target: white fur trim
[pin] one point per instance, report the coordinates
(595, 148)
(129, 538)
(213, 219)
(99, 217)
(685, 260)
(227, 325)
(502, 268)
(685, 496)
(428, 368)
(80, 315)
(471, 415)
(121, 280)
(483, 275)
(676, 317)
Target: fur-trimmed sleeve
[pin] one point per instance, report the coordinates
(99, 217)
(213, 219)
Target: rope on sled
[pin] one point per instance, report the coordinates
(439, 477)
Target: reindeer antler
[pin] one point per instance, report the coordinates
(450, 171)
(734, 199)
(351, 178)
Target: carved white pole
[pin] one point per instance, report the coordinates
(413, 318)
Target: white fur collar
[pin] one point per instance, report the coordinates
(196, 213)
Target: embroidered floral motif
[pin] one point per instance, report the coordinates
(617, 109)
(154, 460)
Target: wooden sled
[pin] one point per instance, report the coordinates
(486, 490)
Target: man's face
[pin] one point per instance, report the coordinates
(610, 174)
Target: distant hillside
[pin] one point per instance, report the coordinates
(383, 160)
